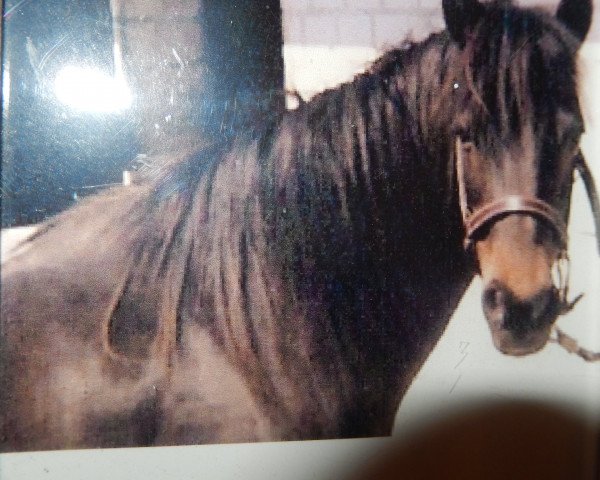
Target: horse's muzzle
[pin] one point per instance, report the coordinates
(520, 326)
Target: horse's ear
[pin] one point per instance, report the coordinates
(576, 15)
(461, 17)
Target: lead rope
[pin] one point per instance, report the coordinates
(562, 270)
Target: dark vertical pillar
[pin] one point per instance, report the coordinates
(244, 62)
(201, 70)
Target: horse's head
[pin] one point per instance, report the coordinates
(515, 132)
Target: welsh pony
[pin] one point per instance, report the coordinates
(289, 283)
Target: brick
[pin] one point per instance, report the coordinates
(402, 5)
(293, 28)
(437, 23)
(392, 30)
(431, 4)
(355, 30)
(311, 69)
(294, 5)
(327, 4)
(362, 6)
(321, 29)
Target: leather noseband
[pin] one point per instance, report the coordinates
(484, 216)
(513, 204)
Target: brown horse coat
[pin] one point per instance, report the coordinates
(287, 284)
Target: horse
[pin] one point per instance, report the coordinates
(289, 282)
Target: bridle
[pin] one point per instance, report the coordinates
(474, 221)
(483, 216)
(477, 219)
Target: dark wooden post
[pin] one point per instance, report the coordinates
(200, 69)
(243, 61)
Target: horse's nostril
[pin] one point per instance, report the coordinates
(493, 298)
(545, 306)
(504, 311)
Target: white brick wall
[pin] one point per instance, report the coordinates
(327, 41)
(374, 23)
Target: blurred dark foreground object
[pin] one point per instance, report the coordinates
(504, 441)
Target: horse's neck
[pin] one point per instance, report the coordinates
(332, 251)
(361, 180)
(358, 221)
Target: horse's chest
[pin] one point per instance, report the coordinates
(207, 400)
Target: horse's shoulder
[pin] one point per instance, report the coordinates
(209, 399)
